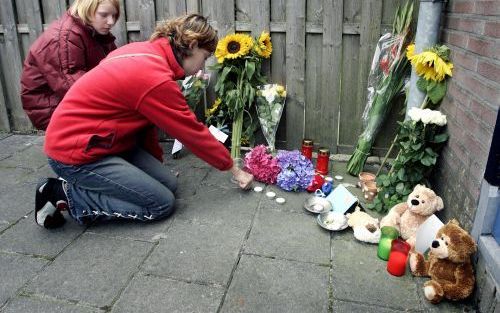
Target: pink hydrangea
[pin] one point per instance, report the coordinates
(262, 165)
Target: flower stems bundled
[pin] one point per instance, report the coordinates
(394, 68)
(239, 73)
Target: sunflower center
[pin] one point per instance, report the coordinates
(233, 47)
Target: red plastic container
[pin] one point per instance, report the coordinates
(397, 258)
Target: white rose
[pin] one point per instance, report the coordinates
(415, 114)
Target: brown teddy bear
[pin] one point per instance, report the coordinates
(449, 265)
(408, 216)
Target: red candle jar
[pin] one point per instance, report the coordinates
(397, 258)
(307, 148)
(316, 183)
(323, 160)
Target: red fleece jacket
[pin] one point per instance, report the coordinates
(116, 105)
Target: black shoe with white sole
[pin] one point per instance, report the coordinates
(50, 200)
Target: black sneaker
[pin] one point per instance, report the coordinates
(47, 206)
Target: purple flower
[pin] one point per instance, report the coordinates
(297, 171)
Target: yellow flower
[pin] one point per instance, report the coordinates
(215, 106)
(233, 46)
(281, 91)
(410, 51)
(429, 65)
(264, 47)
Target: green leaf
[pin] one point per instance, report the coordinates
(440, 138)
(250, 69)
(416, 146)
(437, 92)
(422, 84)
(402, 174)
(400, 187)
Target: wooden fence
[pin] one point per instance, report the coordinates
(322, 51)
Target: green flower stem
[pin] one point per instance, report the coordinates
(387, 154)
(236, 136)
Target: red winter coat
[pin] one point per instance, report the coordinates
(63, 53)
(114, 107)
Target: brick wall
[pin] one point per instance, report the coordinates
(472, 31)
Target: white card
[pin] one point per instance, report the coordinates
(426, 233)
(177, 146)
(219, 135)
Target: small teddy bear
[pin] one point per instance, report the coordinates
(365, 227)
(449, 264)
(408, 216)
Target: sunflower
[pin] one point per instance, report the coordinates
(431, 66)
(233, 46)
(410, 51)
(264, 47)
(215, 106)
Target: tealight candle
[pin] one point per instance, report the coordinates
(280, 200)
(270, 194)
(388, 234)
(257, 189)
(398, 257)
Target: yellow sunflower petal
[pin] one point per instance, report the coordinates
(233, 46)
(264, 47)
(410, 51)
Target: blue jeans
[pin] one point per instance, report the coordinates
(133, 185)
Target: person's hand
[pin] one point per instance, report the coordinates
(243, 178)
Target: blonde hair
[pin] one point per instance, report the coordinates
(182, 31)
(85, 9)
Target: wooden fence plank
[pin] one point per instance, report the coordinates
(4, 117)
(167, 9)
(313, 113)
(53, 9)
(295, 71)
(192, 6)
(12, 64)
(147, 18)
(278, 59)
(120, 28)
(331, 70)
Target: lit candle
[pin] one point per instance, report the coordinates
(398, 257)
(388, 234)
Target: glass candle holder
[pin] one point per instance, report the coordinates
(387, 235)
(398, 257)
(307, 148)
(323, 160)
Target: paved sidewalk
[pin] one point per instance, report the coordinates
(224, 250)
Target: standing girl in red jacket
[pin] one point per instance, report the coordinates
(70, 47)
(102, 137)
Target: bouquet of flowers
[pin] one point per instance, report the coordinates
(419, 140)
(239, 59)
(387, 78)
(270, 103)
(433, 66)
(297, 171)
(193, 88)
(263, 166)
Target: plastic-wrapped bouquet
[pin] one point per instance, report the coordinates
(297, 171)
(270, 103)
(262, 165)
(193, 88)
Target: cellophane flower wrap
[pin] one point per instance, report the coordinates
(297, 171)
(270, 103)
(389, 71)
(262, 165)
(193, 88)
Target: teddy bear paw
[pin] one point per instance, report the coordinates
(413, 262)
(429, 292)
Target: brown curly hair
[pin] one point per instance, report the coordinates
(183, 30)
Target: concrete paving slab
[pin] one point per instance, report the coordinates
(360, 276)
(12, 144)
(15, 271)
(350, 307)
(31, 158)
(152, 231)
(294, 201)
(293, 236)
(272, 285)
(17, 201)
(13, 176)
(29, 238)
(94, 270)
(215, 206)
(149, 294)
(26, 304)
(197, 253)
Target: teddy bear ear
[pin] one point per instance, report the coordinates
(469, 241)
(454, 222)
(439, 203)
